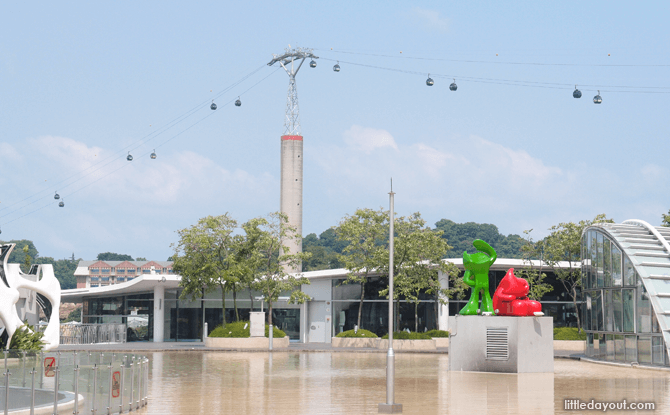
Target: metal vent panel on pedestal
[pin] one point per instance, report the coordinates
(497, 343)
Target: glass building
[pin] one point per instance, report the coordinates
(152, 310)
(626, 292)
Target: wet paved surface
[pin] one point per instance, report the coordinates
(302, 382)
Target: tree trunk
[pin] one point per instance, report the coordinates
(574, 301)
(360, 307)
(396, 316)
(416, 317)
(251, 297)
(437, 310)
(237, 316)
(223, 305)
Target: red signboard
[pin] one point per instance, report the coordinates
(116, 384)
(49, 367)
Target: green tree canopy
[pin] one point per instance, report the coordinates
(271, 259)
(417, 260)
(204, 257)
(461, 235)
(363, 236)
(111, 256)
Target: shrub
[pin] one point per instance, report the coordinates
(360, 334)
(403, 335)
(568, 333)
(437, 333)
(237, 330)
(27, 338)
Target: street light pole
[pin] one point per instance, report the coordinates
(390, 407)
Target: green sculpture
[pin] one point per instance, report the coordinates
(477, 276)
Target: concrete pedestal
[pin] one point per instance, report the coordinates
(501, 344)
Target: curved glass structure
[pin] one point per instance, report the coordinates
(626, 292)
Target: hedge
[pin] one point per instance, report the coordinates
(568, 333)
(362, 333)
(237, 330)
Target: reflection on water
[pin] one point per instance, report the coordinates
(354, 383)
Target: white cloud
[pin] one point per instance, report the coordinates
(431, 19)
(9, 153)
(368, 139)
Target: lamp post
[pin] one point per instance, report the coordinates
(390, 407)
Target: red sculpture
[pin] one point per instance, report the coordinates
(510, 298)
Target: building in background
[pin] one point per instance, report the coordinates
(626, 292)
(150, 305)
(103, 273)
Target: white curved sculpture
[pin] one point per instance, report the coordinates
(47, 294)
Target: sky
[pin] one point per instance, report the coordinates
(82, 84)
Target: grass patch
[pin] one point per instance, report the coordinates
(403, 335)
(437, 333)
(362, 334)
(568, 333)
(237, 330)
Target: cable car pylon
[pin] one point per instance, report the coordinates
(291, 147)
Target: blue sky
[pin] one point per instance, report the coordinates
(83, 83)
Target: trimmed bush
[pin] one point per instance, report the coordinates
(437, 333)
(364, 334)
(237, 330)
(403, 335)
(568, 333)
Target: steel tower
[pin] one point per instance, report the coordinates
(291, 146)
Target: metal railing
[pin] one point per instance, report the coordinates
(73, 382)
(92, 333)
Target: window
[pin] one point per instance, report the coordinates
(616, 266)
(120, 279)
(120, 270)
(131, 270)
(628, 271)
(628, 311)
(607, 262)
(105, 278)
(170, 271)
(94, 278)
(146, 271)
(601, 258)
(105, 270)
(644, 312)
(94, 270)
(618, 310)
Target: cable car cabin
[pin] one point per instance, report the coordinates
(153, 155)
(238, 103)
(213, 106)
(429, 81)
(336, 68)
(597, 99)
(453, 86)
(312, 64)
(129, 158)
(56, 196)
(61, 204)
(577, 93)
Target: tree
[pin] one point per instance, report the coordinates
(564, 243)
(461, 235)
(417, 259)
(666, 219)
(139, 258)
(111, 256)
(272, 259)
(204, 257)
(27, 260)
(363, 235)
(535, 277)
